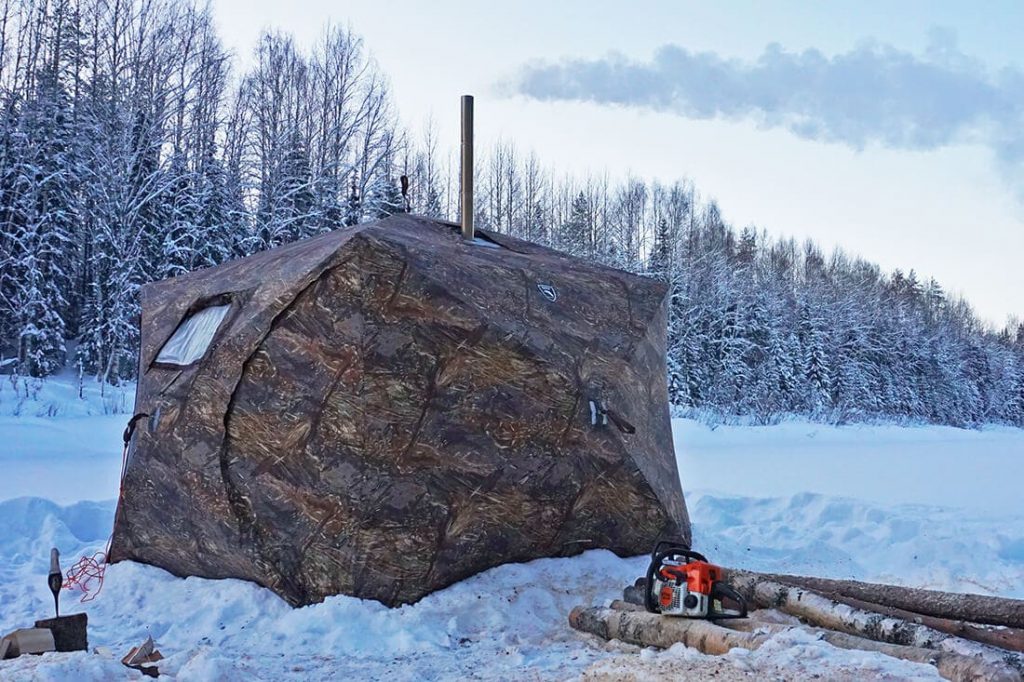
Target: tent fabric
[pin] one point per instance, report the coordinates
(386, 409)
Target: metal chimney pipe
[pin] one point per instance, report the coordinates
(467, 167)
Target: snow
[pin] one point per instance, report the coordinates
(64, 460)
(58, 396)
(796, 497)
(973, 469)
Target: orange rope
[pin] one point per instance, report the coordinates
(84, 572)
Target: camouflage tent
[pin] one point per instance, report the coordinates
(384, 410)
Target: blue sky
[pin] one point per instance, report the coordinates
(895, 130)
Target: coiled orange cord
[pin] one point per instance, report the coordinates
(84, 572)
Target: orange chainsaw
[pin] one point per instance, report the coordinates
(681, 582)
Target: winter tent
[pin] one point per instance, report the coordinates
(384, 410)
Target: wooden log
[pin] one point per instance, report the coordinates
(773, 616)
(648, 629)
(951, 666)
(1011, 639)
(833, 615)
(756, 622)
(972, 608)
(69, 632)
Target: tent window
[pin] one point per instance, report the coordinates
(193, 336)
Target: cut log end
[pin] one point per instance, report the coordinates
(69, 632)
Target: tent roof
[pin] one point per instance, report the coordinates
(283, 271)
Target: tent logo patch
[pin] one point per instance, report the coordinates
(548, 292)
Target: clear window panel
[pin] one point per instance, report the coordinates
(193, 336)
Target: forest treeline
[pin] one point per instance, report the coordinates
(131, 149)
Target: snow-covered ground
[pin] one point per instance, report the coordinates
(923, 506)
(975, 469)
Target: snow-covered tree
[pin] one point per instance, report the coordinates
(130, 152)
(39, 224)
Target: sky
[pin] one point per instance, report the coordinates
(894, 130)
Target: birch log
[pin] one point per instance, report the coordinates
(951, 666)
(647, 629)
(1011, 639)
(972, 608)
(833, 615)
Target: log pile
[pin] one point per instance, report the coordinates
(965, 637)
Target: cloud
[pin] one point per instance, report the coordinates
(873, 94)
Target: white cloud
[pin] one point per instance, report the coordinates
(872, 94)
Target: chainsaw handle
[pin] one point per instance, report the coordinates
(720, 589)
(649, 602)
(674, 547)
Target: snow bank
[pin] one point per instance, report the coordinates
(915, 545)
(64, 460)
(978, 469)
(509, 622)
(511, 619)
